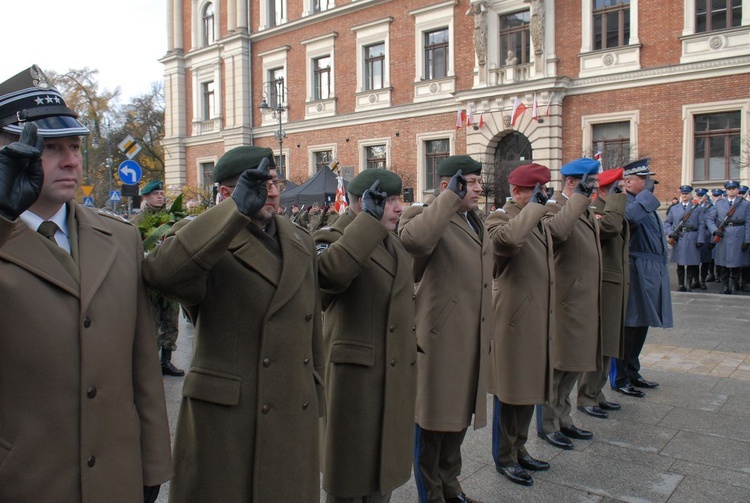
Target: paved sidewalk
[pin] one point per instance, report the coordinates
(686, 441)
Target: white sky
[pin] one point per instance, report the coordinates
(123, 40)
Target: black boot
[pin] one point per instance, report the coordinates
(693, 272)
(167, 369)
(681, 278)
(725, 282)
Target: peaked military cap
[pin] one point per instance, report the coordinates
(465, 163)
(390, 182)
(152, 186)
(685, 189)
(717, 192)
(239, 159)
(580, 167)
(639, 167)
(29, 96)
(743, 189)
(700, 192)
(528, 175)
(609, 176)
(731, 184)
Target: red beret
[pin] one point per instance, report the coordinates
(528, 175)
(609, 176)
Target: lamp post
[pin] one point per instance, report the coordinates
(275, 93)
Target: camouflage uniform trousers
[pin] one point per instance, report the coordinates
(166, 319)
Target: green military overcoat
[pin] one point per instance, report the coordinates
(248, 424)
(371, 352)
(82, 411)
(453, 270)
(577, 342)
(524, 300)
(615, 238)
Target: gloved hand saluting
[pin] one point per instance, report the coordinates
(21, 174)
(585, 187)
(458, 184)
(650, 183)
(373, 201)
(539, 195)
(251, 191)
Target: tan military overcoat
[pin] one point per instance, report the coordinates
(371, 351)
(453, 268)
(82, 410)
(248, 423)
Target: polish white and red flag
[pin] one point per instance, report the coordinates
(535, 109)
(518, 109)
(460, 118)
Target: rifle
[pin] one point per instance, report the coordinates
(673, 240)
(724, 222)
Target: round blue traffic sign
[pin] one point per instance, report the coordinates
(130, 172)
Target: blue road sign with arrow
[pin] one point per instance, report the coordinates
(130, 172)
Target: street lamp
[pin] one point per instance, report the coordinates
(275, 93)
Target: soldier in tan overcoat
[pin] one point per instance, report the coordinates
(247, 430)
(523, 295)
(609, 208)
(82, 411)
(576, 346)
(371, 346)
(453, 269)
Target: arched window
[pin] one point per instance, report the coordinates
(513, 150)
(209, 35)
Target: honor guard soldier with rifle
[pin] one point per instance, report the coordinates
(729, 222)
(683, 225)
(707, 261)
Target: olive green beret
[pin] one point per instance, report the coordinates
(390, 182)
(152, 186)
(239, 159)
(465, 163)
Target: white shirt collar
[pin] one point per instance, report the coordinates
(60, 218)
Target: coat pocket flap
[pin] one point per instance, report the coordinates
(611, 276)
(357, 353)
(212, 387)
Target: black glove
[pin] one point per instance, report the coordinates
(616, 188)
(699, 245)
(539, 195)
(744, 246)
(719, 233)
(21, 174)
(458, 184)
(251, 191)
(373, 201)
(150, 493)
(711, 245)
(585, 187)
(674, 236)
(650, 183)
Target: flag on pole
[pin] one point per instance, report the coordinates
(518, 109)
(535, 109)
(460, 118)
(470, 117)
(481, 120)
(546, 112)
(339, 203)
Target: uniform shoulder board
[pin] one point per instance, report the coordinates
(551, 201)
(190, 217)
(500, 210)
(321, 247)
(418, 204)
(113, 216)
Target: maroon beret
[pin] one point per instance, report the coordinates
(609, 176)
(528, 175)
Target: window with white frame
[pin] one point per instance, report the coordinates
(611, 23)
(208, 32)
(435, 151)
(323, 158)
(322, 78)
(208, 107)
(374, 66)
(376, 156)
(515, 36)
(713, 15)
(373, 72)
(613, 135)
(275, 88)
(319, 156)
(276, 12)
(433, 49)
(322, 5)
(206, 170)
(715, 29)
(717, 146)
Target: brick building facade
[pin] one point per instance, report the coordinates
(384, 83)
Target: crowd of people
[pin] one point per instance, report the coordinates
(361, 347)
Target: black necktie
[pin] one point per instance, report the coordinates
(730, 204)
(48, 230)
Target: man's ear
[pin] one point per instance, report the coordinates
(225, 192)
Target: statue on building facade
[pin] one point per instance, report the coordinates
(537, 25)
(479, 11)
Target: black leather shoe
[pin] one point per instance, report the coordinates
(703, 286)
(695, 284)
(167, 369)
(711, 278)
(726, 291)
(557, 439)
(682, 288)
(629, 390)
(607, 405)
(529, 463)
(516, 474)
(461, 498)
(594, 411)
(574, 431)
(642, 383)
